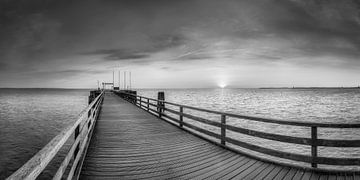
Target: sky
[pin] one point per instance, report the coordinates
(180, 44)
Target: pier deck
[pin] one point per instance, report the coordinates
(129, 143)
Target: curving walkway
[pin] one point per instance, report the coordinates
(129, 143)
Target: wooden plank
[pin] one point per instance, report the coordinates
(349, 176)
(221, 169)
(323, 177)
(256, 171)
(239, 170)
(208, 167)
(265, 172)
(230, 169)
(315, 176)
(153, 170)
(282, 173)
(290, 174)
(307, 175)
(332, 177)
(340, 177)
(124, 151)
(180, 158)
(357, 176)
(148, 167)
(181, 169)
(249, 170)
(298, 175)
(273, 172)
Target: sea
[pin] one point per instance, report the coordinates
(30, 118)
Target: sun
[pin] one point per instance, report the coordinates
(222, 85)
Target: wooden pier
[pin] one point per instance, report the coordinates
(117, 140)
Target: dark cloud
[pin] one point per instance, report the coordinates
(64, 73)
(157, 44)
(117, 54)
(266, 57)
(78, 71)
(167, 41)
(197, 56)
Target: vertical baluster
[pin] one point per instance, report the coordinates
(313, 146)
(148, 105)
(223, 129)
(160, 103)
(140, 102)
(181, 116)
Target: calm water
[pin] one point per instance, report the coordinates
(29, 118)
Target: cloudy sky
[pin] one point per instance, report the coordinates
(175, 44)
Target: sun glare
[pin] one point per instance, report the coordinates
(222, 85)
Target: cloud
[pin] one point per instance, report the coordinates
(118, 54)
(156, 44)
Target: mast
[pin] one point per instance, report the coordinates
(124, 80)
(119, 80)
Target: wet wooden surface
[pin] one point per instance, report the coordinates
(129, 143)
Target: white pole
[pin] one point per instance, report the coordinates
(124, 80)
(119, 80)
(130, 79)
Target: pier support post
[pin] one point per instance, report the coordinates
(313, 146)
(160, 103)
(223, 129)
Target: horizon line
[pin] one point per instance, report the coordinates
(272, 87)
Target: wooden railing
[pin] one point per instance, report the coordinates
(158, 108)
(82, 129)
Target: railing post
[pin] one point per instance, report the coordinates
(148, 105)
(76, 134)
(223, 129)
(140, 102)
(160, 103)
(313, 146)
(181, 116)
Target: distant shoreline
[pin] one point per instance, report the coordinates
(310, 87)
(9, 88)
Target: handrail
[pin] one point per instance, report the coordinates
(158, 108)
(80, 128)
(260, 119)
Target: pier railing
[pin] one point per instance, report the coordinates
(82, 130)
(158, 107)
